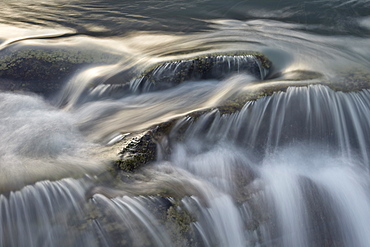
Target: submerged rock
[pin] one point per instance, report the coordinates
(351, 80)
(179, 225)
(120, 221)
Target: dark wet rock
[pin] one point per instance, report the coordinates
(148, 146)
(139, 151)
(42, 70)
(215, 66)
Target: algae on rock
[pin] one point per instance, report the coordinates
(214, 66)
(138, 152)
(41, 70)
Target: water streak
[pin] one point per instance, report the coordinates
(315, 115)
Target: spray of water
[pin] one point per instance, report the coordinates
(39, 142)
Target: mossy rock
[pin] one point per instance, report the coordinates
(179, 216)
(179, 225)
(143, 148)
(138, 152)
(170, 213)
(214, 66)
(42, 70)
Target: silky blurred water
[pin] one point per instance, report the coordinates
(288, 169)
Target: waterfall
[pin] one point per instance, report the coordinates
(282, 171)
(315, 115)
(292, 161)
(46, 214)
(197, 123)
(134, 224)
(172, 73)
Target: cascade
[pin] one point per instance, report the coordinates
(184, 123)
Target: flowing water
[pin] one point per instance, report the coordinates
(290, 167)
